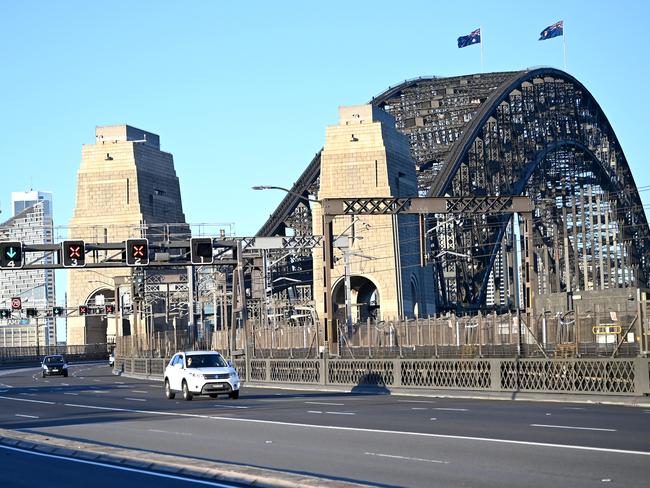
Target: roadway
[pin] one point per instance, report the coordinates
(384, 440)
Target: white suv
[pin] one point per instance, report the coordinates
(200, 373)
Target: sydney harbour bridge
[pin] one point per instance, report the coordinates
(538, 133)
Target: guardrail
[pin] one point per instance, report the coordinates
(33, 354)
(589, 376)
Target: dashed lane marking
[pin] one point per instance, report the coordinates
(325, 403)
(26, 416)
(451, 409)
(135, 399)
(406, 458)
(572, 427)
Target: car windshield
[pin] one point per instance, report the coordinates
(53, 359)
(205, 361)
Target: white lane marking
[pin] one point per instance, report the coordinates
(139, 391)
(341, 413)
(414, 401)
(572, 427)
(26, 416)
(169, 432)
(433, 418)
(136, 399)
(451, 409)
(122, 468)
(28, 394)
(392, 456)
(574, 408)
(75, 394)
(419, 408)
(27, 400)
(326, 403)
(360, 429)
(314, 411)
(5, 391)
(119, 382)
(230, 406)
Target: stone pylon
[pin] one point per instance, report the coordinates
(125, 186)
(365, 156)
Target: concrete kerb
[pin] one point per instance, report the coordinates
(624, 401)
(165, 463)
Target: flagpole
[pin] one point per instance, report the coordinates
(564, 42)
(480, 29)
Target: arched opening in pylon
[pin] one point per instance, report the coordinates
(364, 300)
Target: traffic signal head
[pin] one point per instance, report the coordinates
(201, 250)
(83, 309)
(137, 252)
(11, 254)
(138, 284)
(57, 311)
(73, 253)
(32, 312)
(5, 313)
(109, 309)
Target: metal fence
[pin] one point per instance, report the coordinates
(481, 336)
(585, 376)
(72, 353)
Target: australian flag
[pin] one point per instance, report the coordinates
(473, 38)
(552, 31)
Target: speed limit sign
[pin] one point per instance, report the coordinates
(16, 303)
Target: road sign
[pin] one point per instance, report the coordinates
(606, 329)
(137, 252)
(5, 313)
(73, 254)
(16, 303)
(31, 312)
(201, 250)
(11, 255)
(83, 309)
(58, 311)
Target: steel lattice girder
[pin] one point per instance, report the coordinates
(535, 132)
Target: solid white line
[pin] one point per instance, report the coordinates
(26, 416)
(406, 458)
(136, 399)
(27, 400)
(121, 468)
(341, 413)
(451, 409)
(359, 429)
(325, 403)
(571, 427)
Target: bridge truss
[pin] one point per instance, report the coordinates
(537, 133)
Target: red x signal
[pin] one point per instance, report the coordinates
(137, 251)
(74, 251)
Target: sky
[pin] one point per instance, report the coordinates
(241, 92)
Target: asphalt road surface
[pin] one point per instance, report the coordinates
(383, 440)
(24, 469)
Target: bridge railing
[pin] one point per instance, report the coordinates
(27, 354)
(627, 377)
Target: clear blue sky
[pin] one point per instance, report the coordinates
(241, 92)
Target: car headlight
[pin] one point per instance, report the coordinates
(234, 375)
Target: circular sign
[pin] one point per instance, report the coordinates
(16, 303)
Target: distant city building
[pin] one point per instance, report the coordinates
(31, 223)
(126, 188)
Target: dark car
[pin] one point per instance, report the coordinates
(54, 365)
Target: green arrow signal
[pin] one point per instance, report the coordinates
(11, 253)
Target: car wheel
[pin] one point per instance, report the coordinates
(43, 374)
(234, 394)
(65, 374)
(168, 391)
(187, 395)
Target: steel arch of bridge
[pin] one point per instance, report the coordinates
(538, 133)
